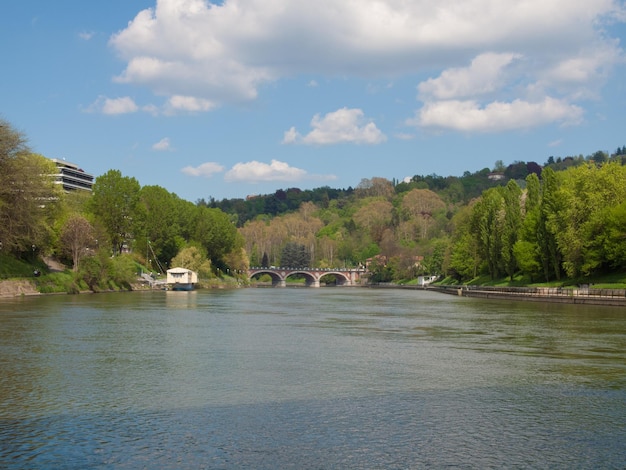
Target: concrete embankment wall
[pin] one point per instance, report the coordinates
(610, 297)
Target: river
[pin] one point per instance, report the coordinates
(297, 378)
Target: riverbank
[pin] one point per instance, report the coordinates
(581, 295)
(16, 288)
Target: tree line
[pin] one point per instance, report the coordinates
(562, 219)
(565, 219)
(106, 234)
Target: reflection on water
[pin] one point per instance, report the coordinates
(309, 378)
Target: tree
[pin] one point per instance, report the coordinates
(374, 216)
(588, 194)
(527, 251)
(547, 226)
(193, 257)
(28, 195)
(295, 255)
(77, 237)
(422, 205)
(499, 167)
(161, 227)
(511, 225)
(487, 226)
(464, 257)
(214, 231)
(115, 202)
(375, 187)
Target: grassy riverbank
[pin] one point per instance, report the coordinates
(26, 277)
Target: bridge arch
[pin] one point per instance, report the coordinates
(277, 280)
(310, 279)
(341, 277)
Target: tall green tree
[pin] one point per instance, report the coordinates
(488, 225)
(115, 203)
(511, 226)
(28, 196)
(216, 233)
(526, 248)
(588, 194)
(547, 226)
(161, 227)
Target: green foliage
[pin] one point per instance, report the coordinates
(194, 258)
(295, 255)
(115, 202)
(566, 219)
(214, 231)
(101, 272)
(63, 282)
(24, 184)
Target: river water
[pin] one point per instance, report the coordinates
(298, 378)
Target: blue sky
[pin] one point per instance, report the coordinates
(240, 97)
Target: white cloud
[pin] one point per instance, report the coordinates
(119, 106)
(187, 103)
(469, 116)
(484, 75)
(581, 75)
(206, 170)
(291, 136)
(86, 35)
(255, 172)
(163, 145)
(224, 52)
(113, 106)
(341, 126)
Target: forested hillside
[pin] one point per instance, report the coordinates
(564, 219)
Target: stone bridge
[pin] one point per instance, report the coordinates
(344, 276)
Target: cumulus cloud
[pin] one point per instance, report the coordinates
(469, 116)
(187, 103)
(256, 172)
(113, 106)
(162, 145)
(205, 170)
(473, 98)
(499, 65)
(341, 126)
(484, 75)
(224, 52)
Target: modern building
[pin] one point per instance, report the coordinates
(72, 177)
